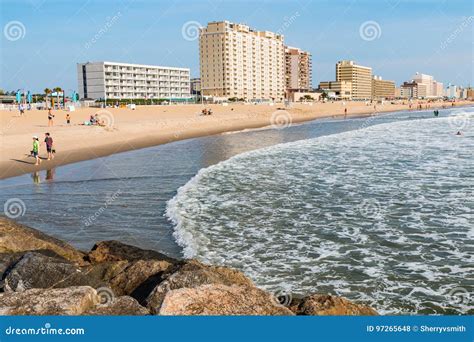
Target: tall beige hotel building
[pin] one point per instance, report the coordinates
(237, 61)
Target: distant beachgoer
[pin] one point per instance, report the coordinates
(459, 133)
(49, 145)
(204, 111)
(209, 112)
(50, 118)
(35, 150)
(22, 110)
(68, 119)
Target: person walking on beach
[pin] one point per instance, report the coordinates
(35, 150)
(22, 109)
(68, 119)
(345, 113)
(50, 118)
(49, 145)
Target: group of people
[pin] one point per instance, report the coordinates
(206, 111)
(48, 141)
(94, 120)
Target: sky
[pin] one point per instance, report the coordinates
(42, 40)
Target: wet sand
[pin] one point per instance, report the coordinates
(127, 129)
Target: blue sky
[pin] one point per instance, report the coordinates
(430, 36)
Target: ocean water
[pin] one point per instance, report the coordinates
(382, 215)
(377, 209)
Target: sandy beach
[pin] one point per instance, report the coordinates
(127, 129)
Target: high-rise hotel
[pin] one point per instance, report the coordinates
(110, 80)
(359, 76)
(298, 69)
(237, 61)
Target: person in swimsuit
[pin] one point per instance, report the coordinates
(50, 118)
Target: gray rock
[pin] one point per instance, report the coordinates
(35, 270)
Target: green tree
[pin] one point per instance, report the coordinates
(57, 90)
(47, 91)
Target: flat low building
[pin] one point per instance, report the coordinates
(298, 95)
(99, 80)
(382, 89)
(341, 89)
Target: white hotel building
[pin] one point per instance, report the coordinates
(98, 80)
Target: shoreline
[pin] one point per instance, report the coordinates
(145, 127)
(41, 275)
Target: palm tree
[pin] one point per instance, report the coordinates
(47, 91)
(57, 90)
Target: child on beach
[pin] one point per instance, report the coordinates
(35, 150)
(68, 119)
(49, 145)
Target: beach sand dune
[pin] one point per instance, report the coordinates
(127, 129)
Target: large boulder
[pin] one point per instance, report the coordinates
(191, 274)
(327, 305)
(68, 301)
(125, 306)
(15, 237)
(36, 270)
(116, 251)
(220, 299)
(139, 278)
